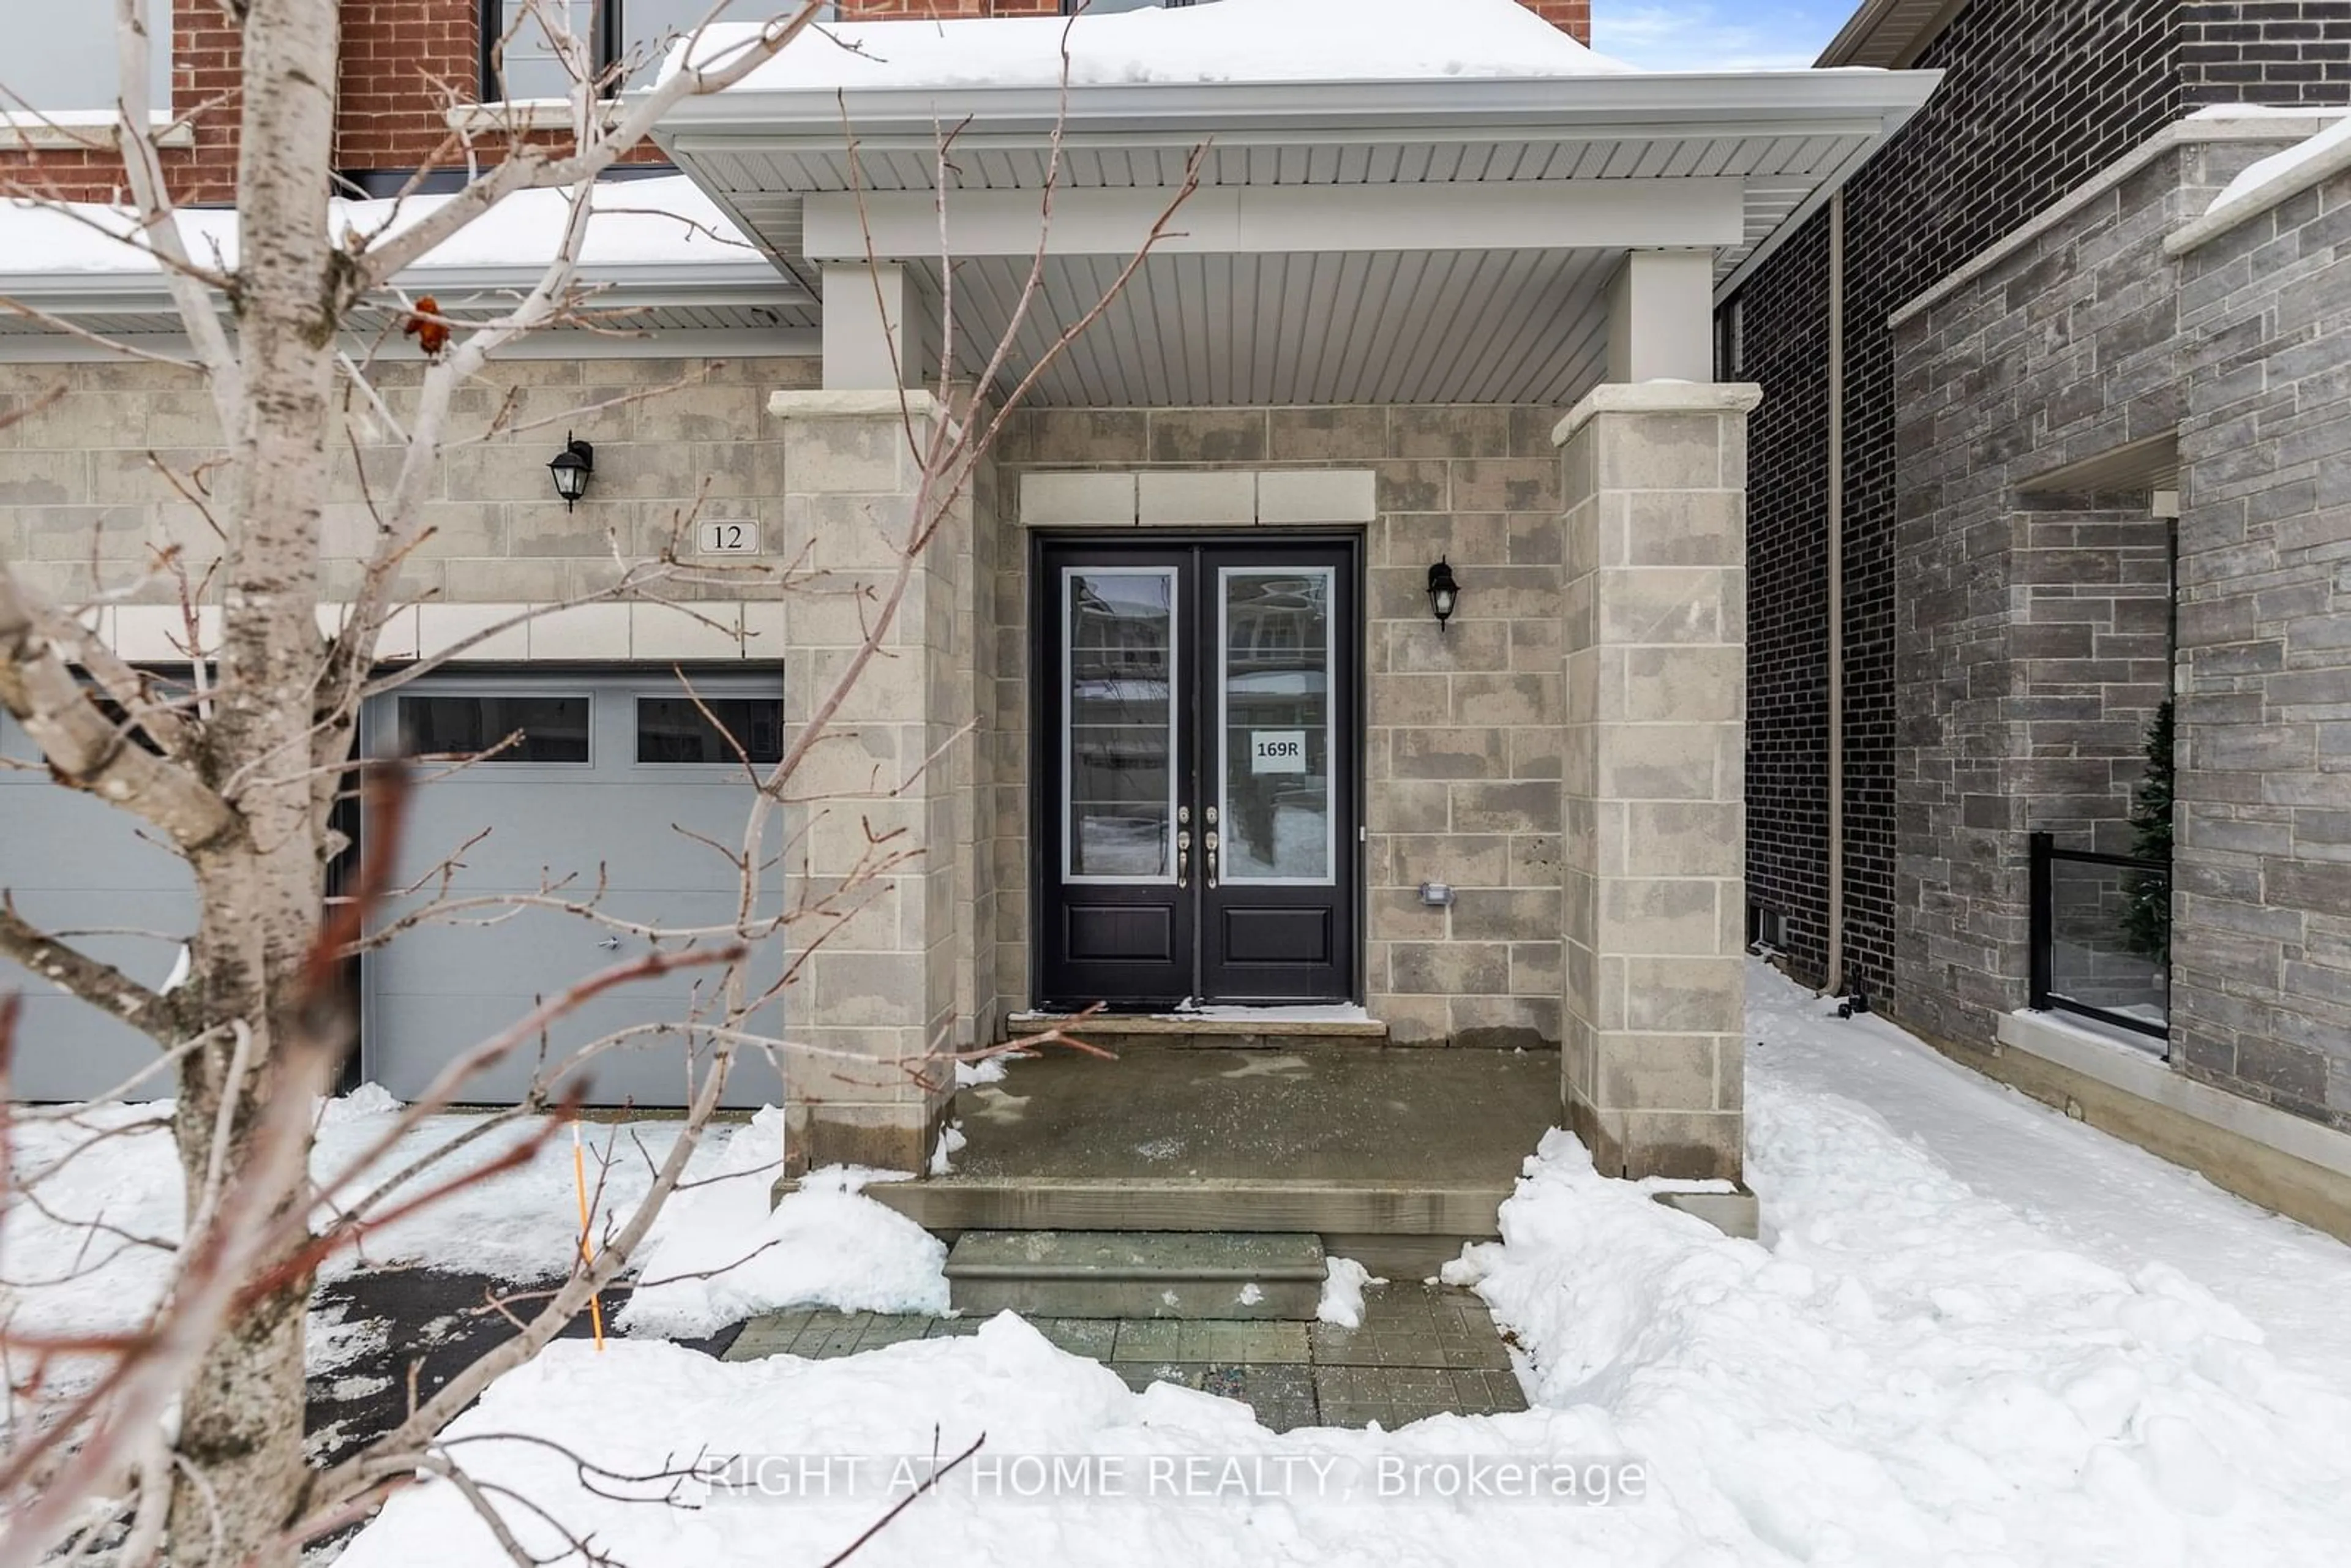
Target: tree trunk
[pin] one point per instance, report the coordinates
(241, 1414)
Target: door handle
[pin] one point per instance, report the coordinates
(1184, 859)
(1212, 860)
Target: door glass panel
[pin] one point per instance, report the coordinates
(1274, 697)
(1118, 644)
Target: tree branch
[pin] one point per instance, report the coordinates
(99, 984)
(529, 168)
(143, 170)
(85, 749)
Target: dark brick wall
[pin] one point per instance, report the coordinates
(2267, 51)
(2037, 94)
(1786, 349)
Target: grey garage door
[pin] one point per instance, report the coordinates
(614, 784)
(81, 869)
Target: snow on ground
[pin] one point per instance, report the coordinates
(518, 1225)
(825, 1245)
(2095, 1194)
(1981, 1334)
(719, 1254)
(1232, 41)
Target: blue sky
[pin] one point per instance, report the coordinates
(1717, 35)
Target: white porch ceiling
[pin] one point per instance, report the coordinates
(1490, 326)
(1503, 311)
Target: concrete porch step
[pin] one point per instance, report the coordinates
(1197, 1204)
(1137, 1274)
(1237, 1029)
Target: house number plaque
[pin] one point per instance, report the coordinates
(728, 537)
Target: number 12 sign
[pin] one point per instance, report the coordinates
(728, 537)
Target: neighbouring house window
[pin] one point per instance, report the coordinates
(61, 58)
(547, 728)
(678, 729)
(1103, 8)
(519, 59)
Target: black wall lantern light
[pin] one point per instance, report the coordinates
(1443, 591)
(570, 468)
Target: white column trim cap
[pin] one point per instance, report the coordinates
(1657, 397)
(854, 404)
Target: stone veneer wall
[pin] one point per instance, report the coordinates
(82, 502)
(1462, 752)
(2032, 626)
(2031, 631)
(890, 795)
(1654, 853)
(2261, 947)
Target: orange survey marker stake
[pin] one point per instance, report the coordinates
(587, 1254)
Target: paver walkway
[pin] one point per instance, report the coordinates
(1424, 1350)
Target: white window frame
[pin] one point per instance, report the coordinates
(32, 125)
(554, 113)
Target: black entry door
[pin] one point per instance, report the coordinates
(1197, 772)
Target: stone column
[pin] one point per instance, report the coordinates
(886, 792)
(1655, 604)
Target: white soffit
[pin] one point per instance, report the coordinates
(1514, 327)
(1401, 241)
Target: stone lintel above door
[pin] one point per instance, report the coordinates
(1198, 498)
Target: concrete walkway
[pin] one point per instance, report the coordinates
(1424, 1350)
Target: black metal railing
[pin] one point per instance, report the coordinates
(2102, 936)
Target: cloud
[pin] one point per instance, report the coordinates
(1699, 36)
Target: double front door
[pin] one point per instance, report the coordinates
(1197, 788)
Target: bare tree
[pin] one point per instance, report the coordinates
(188, 1438)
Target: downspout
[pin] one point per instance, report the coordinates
(1835, 978)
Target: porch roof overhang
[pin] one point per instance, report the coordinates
(1396, 241)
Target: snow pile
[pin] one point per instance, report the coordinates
(1343, 1292)
(1912, 1372)
(663, 220)
(1230, 41)
(2271, 180)
(720, 1254)
(1913, 1365)
(987, 1069)
(644, 1406)
(367, 1100)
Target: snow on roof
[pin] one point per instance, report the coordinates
(665, 220)
(1227, 41)
(2269, 180)
(2270, 112)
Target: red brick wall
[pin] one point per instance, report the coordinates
(397, 56)
(399, 60)
(1573, 16)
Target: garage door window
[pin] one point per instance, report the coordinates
(679, 729)
(544, 728)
